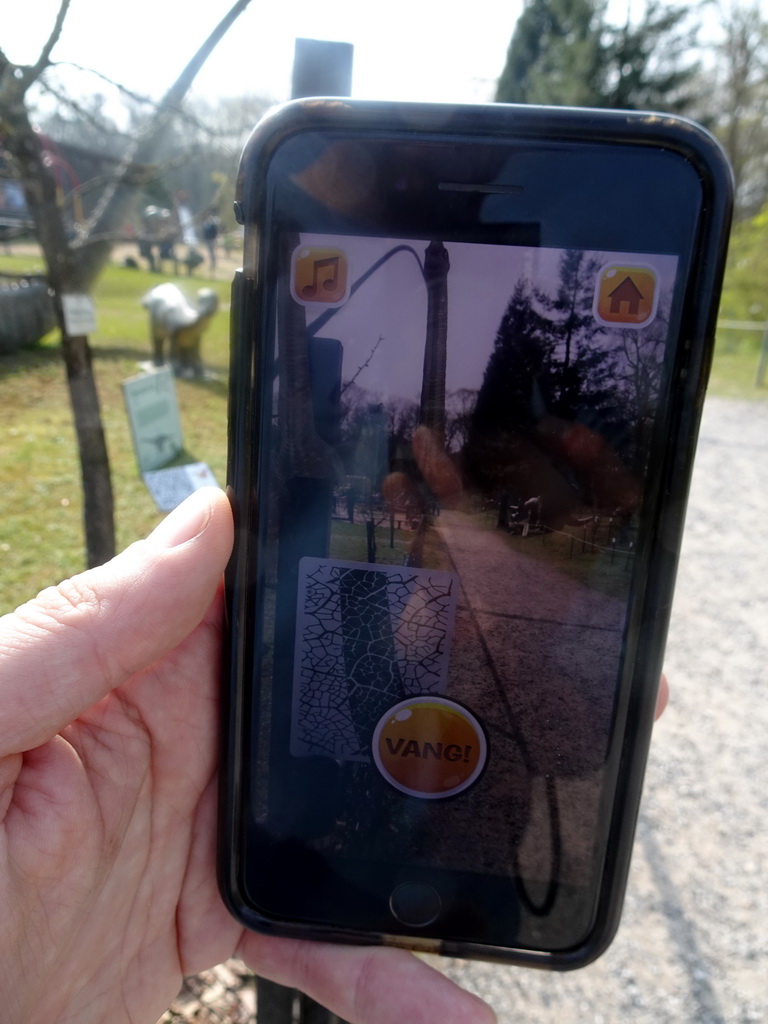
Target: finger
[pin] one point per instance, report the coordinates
(663, 697)
(364, 985)
(398, 489)
(62, 652)
(595, 462)
(436, 465)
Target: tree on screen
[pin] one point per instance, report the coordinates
(552, 363)
(517, 384)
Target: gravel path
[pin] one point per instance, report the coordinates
(693, 945)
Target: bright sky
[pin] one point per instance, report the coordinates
(404, 49)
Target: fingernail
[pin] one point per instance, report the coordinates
(187, 520)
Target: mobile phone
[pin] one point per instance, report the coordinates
(469, 351)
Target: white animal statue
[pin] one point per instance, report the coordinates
(174, 319)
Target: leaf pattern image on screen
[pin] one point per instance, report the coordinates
(367, 637)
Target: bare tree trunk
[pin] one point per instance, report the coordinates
(432, 405)
(64, 278)
(108, 213)
(73, 269)
(98, 502)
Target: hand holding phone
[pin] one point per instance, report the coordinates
(469, 353)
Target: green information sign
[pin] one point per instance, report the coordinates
(153, 413)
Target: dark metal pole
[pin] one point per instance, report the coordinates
(319, 69)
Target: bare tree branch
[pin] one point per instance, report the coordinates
(146, 140)
(77, 108)
(360, 369)
(137, 97)
(128, 94)
(44, 59)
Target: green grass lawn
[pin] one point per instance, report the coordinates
(348, 543)
(735, 365)
(41, 537)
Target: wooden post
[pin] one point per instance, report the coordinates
(762, 366)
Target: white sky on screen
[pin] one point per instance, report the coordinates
(392, 304)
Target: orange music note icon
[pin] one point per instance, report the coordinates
(319, 275)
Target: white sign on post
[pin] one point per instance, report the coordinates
(79, 314)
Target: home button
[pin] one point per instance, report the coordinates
(415, 904)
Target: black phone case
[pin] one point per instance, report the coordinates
(651, 616)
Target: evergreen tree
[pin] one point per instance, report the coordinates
(551, 362)
(574, 328)
(518, 381)
(648, 65)
(584, 365)
(517, 387)
(555, 54)
(565, 52)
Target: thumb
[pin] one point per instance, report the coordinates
(64, 651)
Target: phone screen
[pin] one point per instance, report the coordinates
(456, 454)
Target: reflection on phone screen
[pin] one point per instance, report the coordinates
(459, 448)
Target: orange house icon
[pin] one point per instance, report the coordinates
(625, 295)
